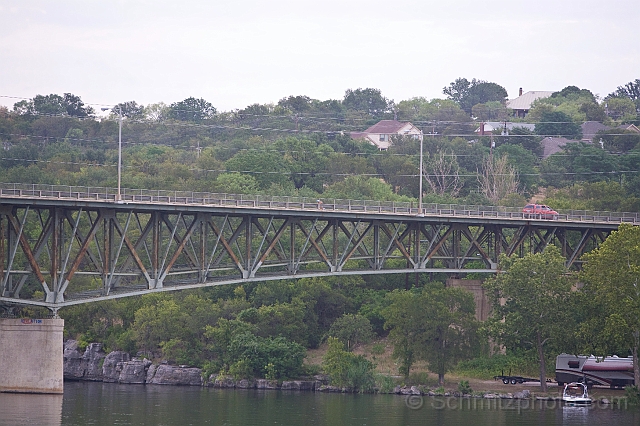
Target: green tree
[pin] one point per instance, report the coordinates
(236, 183)
(574, 92)
(593, 111)
(621, 108)
(296, 104)
(362, 188)
(579, 162)
(346, 369)
(557, 123)
(367, 100)
(266, 167)
(492, 110)
(129, 109)
(351, 330)
(74, 106)
(158, 323)
(525, 163)
(611, 275)
(191, 109)
(469, 93)
(305, 160)
(437, 325)
(523, 137)
(618, 140)
(68, 104)
(631, 91)
(530, 299)
(256, 356)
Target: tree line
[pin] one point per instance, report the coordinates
(301, 146)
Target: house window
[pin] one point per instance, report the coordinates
(383, 138)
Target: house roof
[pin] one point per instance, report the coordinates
(630, 127)
(386, 126)
(524, 101)
(552, 145)
(590, 128)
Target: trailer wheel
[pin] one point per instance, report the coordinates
(505, 381)
(514, 381)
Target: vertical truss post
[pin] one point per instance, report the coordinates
(203, 248)
(334, 267)
(292, 247)
(56, 249)
(155, 250)
(2, 254)
(248, 232)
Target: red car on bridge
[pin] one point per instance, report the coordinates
(539, 211)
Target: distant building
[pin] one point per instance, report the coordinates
(505, 127)
(522, 104)
(552, 145)
(380, 133)
(591, 128)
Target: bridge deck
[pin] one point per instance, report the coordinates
(66, 245)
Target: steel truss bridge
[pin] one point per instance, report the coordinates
(61, 246)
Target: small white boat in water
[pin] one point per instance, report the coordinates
(576, 393)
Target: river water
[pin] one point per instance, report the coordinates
(100, 404)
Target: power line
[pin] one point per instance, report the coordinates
(290, 173)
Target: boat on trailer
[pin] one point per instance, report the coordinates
(576, 393)
(609, 371)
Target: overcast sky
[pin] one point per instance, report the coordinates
(234, 53)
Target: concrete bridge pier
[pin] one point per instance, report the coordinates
(31, 355)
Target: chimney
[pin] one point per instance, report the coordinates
(520, 93)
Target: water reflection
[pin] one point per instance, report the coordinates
(575, 415)
(112, 404)
(18, 409)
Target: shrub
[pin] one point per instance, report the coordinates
(346, 369)
(464, 388)
(633, 394)
(384, 383)
(277, 357)
(378, 349)
(241, 369)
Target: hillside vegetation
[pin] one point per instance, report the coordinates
(302, 146)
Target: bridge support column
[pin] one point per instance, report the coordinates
(31, 355)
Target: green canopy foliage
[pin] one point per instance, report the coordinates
(436, 324)
(612, 275)
(530, 299)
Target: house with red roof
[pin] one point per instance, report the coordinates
(380, 134)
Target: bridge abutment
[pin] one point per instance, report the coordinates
(31, 355)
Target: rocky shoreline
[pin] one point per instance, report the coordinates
(93, 364)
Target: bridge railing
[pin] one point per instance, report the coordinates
(106, 194)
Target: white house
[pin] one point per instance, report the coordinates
(380, 133)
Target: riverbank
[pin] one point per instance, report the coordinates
(94, 365)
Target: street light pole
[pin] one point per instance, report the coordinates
(118, 194)
(420, 186)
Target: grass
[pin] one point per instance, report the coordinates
(487, 367)
(477, 373)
